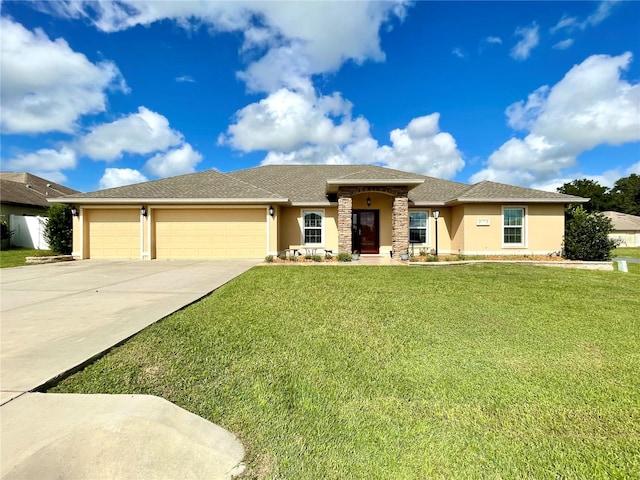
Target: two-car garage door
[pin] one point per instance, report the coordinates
(176, 233)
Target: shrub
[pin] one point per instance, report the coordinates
(316, 258)
(586, 236)
(344, 257)
(328, 256)
(4, 230)
(268, 259)
(59, 229)
(282, 255)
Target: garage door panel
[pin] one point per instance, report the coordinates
(114, 234)
(210, 233)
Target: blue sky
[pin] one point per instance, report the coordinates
(96, 95)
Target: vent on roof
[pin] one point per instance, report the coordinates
(28, 185)
(48, 185)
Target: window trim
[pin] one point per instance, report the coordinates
(427, 228)
(523, 227)
(303, 228)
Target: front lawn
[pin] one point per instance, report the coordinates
(16, 256)
(630, 252)
(476, 371)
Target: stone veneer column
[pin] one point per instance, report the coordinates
(400, 224)
(345, 203)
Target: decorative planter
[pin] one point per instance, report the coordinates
(404, 256)
(355, 256)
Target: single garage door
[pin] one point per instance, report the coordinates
(210, 233)
(114, 234)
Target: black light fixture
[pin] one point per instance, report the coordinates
(436, 215)
(368, 201)
(74, 211)
(143, 211)
(272, 211)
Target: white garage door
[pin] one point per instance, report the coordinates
(114, 234)
(210, 233)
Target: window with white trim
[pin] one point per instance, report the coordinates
(418, 225)
(313, 227)
(513, 224)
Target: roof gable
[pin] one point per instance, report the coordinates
(22, 188)
(488, 191)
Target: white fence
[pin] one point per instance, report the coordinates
(28, 232)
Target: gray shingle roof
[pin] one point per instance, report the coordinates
(21, 188)
(623, 221)
(209, 185)
(307, 184)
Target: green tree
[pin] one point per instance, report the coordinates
(626, 195)
(600, 197)
(59, 229)
(586, 236)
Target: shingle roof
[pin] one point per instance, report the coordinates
(207, 185)
(21, 188)
(492, 191)
(308, 184)
(623, 221)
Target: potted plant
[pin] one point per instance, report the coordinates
(404, 256)
(355, 255)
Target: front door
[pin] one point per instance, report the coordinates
(365, 237)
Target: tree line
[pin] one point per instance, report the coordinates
(623, 197)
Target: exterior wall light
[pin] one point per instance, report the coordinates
(368, 201)
(272, 211)
(143, 211)
(74, 211)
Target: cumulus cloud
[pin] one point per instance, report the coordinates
(117, 177)
(419, 147)
(530, 39)
(139, 133)
(287, 120)
(46, 86)
(592, 105)
(174, 162)
(46, 162)
(291, 40)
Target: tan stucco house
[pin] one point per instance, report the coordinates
(626, 228)
(339, 208)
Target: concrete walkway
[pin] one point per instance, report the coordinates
(55, 317)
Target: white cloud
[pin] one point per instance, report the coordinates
(117, 177)
(592, 105)
(45, 162)
(458, 52)
(185, 79)
(420, 147)
(496, 40)
(287, 120)
(564, 44)
(601, 13)
(530, 40)
(46, 86)
(300, 38)
(174, 162)
(138, 133)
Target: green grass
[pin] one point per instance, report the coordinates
(478, 371)
(632, 252)
(15, 257)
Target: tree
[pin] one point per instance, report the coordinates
(586, 236)
(600, 198)
(626, 195)
(59, 229)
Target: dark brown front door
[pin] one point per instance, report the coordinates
(365, 235)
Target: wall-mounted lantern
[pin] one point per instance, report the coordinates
(272, 211)
(143, 211)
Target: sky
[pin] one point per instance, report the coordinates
(101, 94)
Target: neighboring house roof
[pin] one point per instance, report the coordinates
(623, 221)
(309, 185)
(21, 188)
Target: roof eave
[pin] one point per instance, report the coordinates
(171, 201)
(333, 184)
(565, 201)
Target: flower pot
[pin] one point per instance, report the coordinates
(355, 256)
(404, 256)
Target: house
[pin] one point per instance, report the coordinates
(25, 195)
(626, 228)
(339, 208)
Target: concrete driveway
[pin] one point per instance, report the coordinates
(55, 317)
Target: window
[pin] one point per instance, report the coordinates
(513, 226)
(418, 221)
(312, 228)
